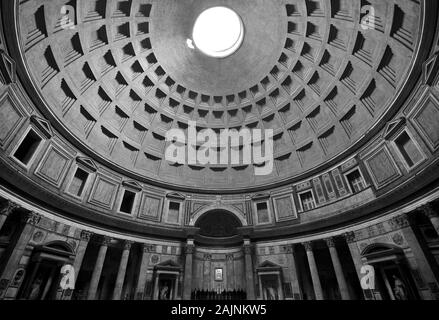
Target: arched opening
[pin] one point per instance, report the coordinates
(218, 224)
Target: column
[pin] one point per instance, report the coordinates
(141, 281)
(249, 280)
(314, 271)
(187, 286)
(6, 211)
(341, 280)
(432, 214)
(355, 255)
(31, 219)
(97, 270)
(122, 270)
(80, 253)
(291, 258)
(230, 272)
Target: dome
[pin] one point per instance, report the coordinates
(119, 80)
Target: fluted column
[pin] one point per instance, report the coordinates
(341, 280)
(31, 219)
(97, 270)
(187, 286)
(292, 265)
(6, 211)
(122, 270)
(433, 215)
(314, 271)
(249, 279)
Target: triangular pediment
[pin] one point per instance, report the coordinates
(133, 185)
(261, 196)
(393, 126)
(268, 266)
(175, 195)
(428, 68)
(43, 125)
(88, 163)
(7, 67)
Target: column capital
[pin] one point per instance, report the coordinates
(86, 235)
(31, 218)
(349, 236)
(106, 241)
(400, 221)
(189, 249)
(330, 242)
(207, 257)
(248, 249)
(127, 244)
(288, 248)
(429, 211)
(8, 208)
(230, 257)
(308, 245)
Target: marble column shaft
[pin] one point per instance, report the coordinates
(292, 265)
(249, 279)
(341, 280)
(97, 270)
(122, 271)
(141, 281)
(187, 286)
(314, 271)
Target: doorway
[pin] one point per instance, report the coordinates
(393, 280)
(44, 273)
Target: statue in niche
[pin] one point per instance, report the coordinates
(164, 293)
(399, 289)
(36, 289)
(271, 293)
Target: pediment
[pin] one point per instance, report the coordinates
(43, 125)
(88, 163)
(393, 126)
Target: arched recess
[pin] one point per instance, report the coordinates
(239, 215)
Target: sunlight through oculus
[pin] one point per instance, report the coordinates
(218, 32)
